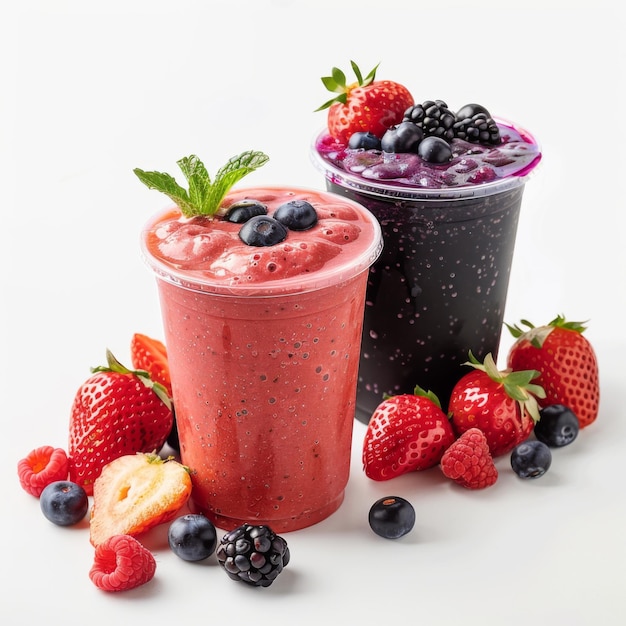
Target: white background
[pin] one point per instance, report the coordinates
(90, 90)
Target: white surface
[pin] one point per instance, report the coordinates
(94, 89)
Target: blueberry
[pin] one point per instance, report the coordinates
(392, 517)
(64, 503)
(262, 230)
(531, 459)
(366, 141)
(242, 211)
(435, 150)
(405, 137)
(558, 426)
(469, 110)
(192, 537)
(296, 215)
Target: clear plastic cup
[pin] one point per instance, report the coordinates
(264, 372)
(439, 288)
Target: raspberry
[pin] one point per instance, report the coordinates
(121, 563)
(42, 466)
(468, 461)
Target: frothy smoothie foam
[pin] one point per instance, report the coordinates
(446, 188)
(263, 343)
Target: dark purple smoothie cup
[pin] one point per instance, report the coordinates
(439, 288)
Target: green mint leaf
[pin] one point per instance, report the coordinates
(165, 184)
(203, 197)
(236, 168)
(197, 177)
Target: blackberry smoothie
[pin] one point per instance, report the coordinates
(263, 344)
(439, 288)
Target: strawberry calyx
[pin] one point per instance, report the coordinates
(536, 335)
(431, 395)
(517, 384)
(337, 83)
(113, 365)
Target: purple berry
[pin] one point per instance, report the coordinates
(392, 517)
(64, 503)
(531, 459)
(558, 426)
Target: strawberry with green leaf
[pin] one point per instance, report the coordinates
(203, 196)
(406, 433)
(502, 404)
(366, 105)
(116, 411)
(566, 362)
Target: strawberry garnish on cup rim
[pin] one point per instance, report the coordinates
(366, 105)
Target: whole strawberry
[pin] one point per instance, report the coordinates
(566, 362)
(115, 412)
(503, 404)
(468, 461)
(150, 354)
(406, 433)
(366, 105)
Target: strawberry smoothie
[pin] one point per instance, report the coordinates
(439, 288)
(263, 344)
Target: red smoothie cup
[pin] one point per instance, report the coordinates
(263, 347)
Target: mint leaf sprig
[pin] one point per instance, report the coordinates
(204, 196)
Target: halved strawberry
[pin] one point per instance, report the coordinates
(115, 412)
(150, 354)
(136, 492)
(566, 362)
(406, 433)
(503, 404)
(366, 105)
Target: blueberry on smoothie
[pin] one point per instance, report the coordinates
(364, 141)
(435, 150)
(405, 137)
(262, 230)
(242, 211)
(296, 215)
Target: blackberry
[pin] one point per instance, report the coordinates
(433, 117)
(479, 128)
(253, 554)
